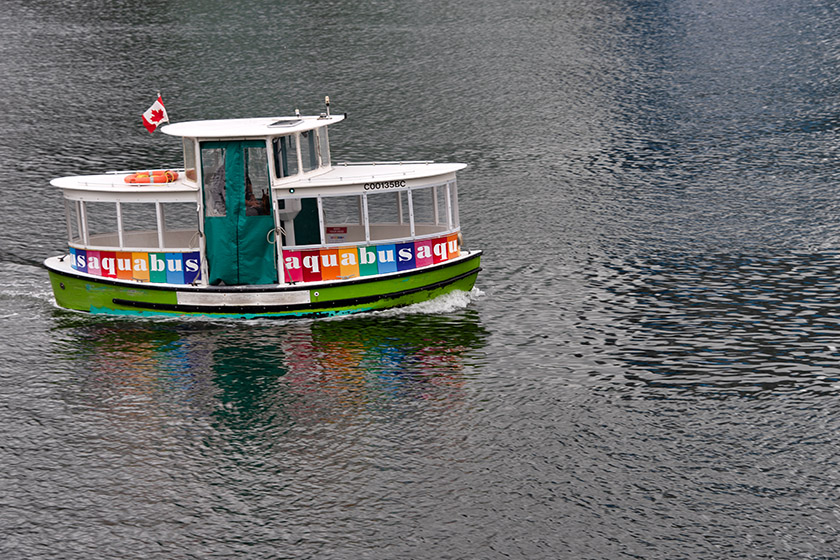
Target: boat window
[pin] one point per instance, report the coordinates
(137, 218)
(74, 228)
(285, 156)
(213, 173)
(388, 215)
(304, 228)
(324, 146)
(384, 208)
(159, 225)
(434, 209)
(411, 213)
(453, 203)
(308, 150)
(442, 214)
(256, 183)
(180, 225)
(101, 217)
(342, 209)
(423, 203)
(189, 159)
(134, 225)
(180, 216)
(343, 219)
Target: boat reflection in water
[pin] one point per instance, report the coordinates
(354, 365)
(269, 374)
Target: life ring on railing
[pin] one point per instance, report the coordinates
(150, 177)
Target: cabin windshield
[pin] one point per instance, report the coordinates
(324, 146)
(301, 153)
(308, 151)
(285, 156)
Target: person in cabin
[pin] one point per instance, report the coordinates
(253, 205)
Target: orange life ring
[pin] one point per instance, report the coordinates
(150, 177)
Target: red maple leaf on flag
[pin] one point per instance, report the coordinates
(155, 115)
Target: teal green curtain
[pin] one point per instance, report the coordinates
(239, 251)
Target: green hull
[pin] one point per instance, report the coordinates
(83, 292)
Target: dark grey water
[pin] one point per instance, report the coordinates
(650, 367)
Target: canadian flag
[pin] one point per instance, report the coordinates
(155, 115)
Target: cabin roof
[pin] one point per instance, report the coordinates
(260, 127)
(370, 176)
(374, 175)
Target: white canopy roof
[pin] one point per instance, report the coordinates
(249, 128)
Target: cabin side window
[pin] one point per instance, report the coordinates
(300, 220)
(101, 221)
(145, 226)
(324, 146)
(433, 209)
(180, 224)
(388, 215)
(443, 216)
(308, 150)
(161, 225)
(213, 174)
(285, 156)
(369, 218)
(73, 209)
(343, 219)
(453, 203)
(139, 221)
(423, 203)
(189, 159)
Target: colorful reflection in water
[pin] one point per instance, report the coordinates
(247, 374)
(368, 364)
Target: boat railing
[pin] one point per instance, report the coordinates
(130, 171)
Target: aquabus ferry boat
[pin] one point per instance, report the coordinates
(260, 223)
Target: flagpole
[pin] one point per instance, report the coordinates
(161, 102)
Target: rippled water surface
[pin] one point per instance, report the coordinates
(649, 366)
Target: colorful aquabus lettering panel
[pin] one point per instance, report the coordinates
(168, 268)
(351, 262)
